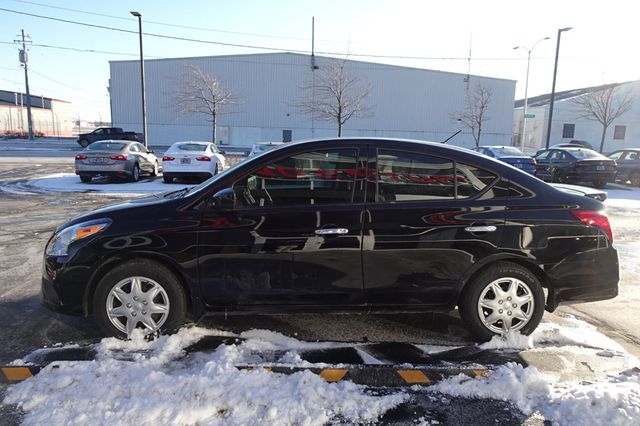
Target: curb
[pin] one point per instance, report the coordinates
(369, 375)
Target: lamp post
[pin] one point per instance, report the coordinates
(144, 101)
(553, 87)
(526, 91)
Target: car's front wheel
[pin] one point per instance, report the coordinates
(504, 298)
(85, 178)
(156, 168)
(84, 143)
(600, 183)
(139, 294)
(135, 173)
(634, 178)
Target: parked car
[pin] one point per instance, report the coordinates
(191, 159)
(572, 165)
(342, 224)
(108, 133)
(260, 147)
(119, 159)
(510, 155)
(628, 161)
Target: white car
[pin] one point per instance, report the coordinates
(260, 147)
(191, 159)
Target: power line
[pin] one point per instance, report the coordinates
(166, 24)
(257, 47)
(77, 49)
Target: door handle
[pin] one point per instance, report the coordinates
(331, 231)
(482, 228)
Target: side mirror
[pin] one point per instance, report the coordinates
(224, 199)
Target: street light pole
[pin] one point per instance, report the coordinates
(526, 91)
(144, 100)
(553, 87)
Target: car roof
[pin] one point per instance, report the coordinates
(192, 142)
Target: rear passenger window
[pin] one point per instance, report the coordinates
(407, 176)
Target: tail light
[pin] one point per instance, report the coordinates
(203, 158)
(118, 157)
(81, 157)
(168, 158)
(592, 218)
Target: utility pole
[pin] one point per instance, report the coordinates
(24, 58)
(313, 75)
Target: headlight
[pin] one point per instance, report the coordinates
(61, 240)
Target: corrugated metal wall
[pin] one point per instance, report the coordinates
(407, 102)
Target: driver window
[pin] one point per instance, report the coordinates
(318, 177)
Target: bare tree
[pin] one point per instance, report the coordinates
(336, 95)
(475, 110)
(603, 106)
(203, 93)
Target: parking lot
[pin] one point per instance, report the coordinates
(577, 350)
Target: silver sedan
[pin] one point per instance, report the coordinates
(120, 159)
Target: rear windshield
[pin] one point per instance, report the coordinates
(508, 150)
(107, 146)
(585, 153)
(191, 147)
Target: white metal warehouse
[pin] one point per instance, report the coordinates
(405, 102)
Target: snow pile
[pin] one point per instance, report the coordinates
(513, 340)
(615, 401)
(67, 182)
(156, 387)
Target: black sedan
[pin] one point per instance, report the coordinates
(573, 165)
(628, 161)
(341, 225)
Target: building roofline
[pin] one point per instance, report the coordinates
(542, 100)
(317, 56)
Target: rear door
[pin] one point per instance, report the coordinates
(429, 218)
(294, 236)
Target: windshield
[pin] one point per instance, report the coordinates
(582, 154)
(507, 150)
(191, 147)
(107, 146)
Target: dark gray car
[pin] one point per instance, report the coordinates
(119, 159)
(628, 161)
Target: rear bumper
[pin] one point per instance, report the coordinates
(202, 175)
(584, 277)
(591, 176)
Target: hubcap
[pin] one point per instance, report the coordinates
(505, 304)
(137, 301)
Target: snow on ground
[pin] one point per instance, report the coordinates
(153, 382)
(623, 196)
(67, 182)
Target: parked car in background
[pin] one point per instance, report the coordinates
(119, 159)
(628, 161)
(510, 155)
(344, 224)
(260, 147)
(192, 159)
(573, 165)
(108, 133)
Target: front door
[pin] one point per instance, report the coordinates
(294, 236)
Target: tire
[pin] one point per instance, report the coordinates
(135, 173)
(560, 177)
(127, 313)
(84, 143)
(85, 178)
(154, 172)
(167, 179)
(600, 183)
(515, 282)
(634, 178)
(215, 170)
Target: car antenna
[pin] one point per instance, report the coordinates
(451, 137)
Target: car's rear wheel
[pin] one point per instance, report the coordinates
(504, 298)
(560, 177)
(634, 178)
(85, 178)
(139, 294)
(135, 173)
(167, 179)
(215, 170)
(599, 183)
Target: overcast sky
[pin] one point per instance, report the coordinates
(601, 47)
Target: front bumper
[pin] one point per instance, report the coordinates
(62, 289)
